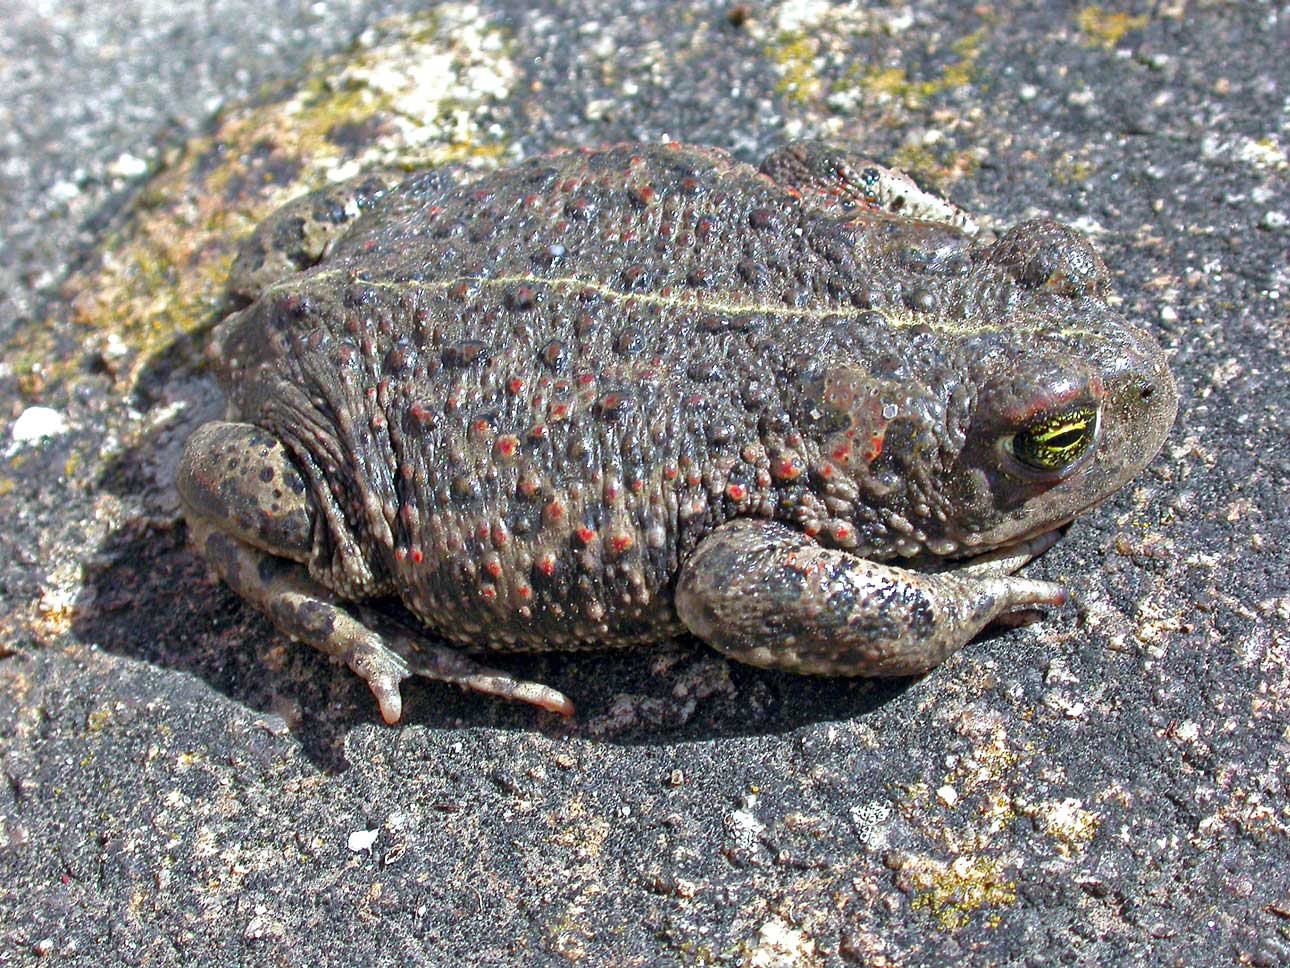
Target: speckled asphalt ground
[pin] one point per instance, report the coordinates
(1109, 786)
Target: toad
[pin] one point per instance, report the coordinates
(805, 412)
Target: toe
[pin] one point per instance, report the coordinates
(388, 697)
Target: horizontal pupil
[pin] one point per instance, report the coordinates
(1064, 439)
(1057, 442)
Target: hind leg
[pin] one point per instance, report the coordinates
(300, 233)
(295, 236)
(249, 514)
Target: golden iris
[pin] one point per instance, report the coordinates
(1057, 440)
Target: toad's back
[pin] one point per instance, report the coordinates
(523, 401)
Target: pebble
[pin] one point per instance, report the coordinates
(37, 423)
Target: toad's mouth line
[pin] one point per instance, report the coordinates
(1003, 559)
(894, 316)
(1026, 546)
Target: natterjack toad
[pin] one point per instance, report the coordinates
(603, 397)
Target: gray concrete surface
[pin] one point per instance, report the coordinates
(1109, 786)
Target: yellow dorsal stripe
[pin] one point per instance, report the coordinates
(896, 316)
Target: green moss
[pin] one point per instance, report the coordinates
(97, 720)
(890, 81)
(932, 170)
(424, 27)
(1072, 171)
(691, 953)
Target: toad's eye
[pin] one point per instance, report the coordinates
(1057, 440)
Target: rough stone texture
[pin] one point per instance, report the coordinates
(1107, 786)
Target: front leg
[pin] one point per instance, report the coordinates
(840, 182)
(770, 596)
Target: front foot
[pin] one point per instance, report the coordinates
(770, 596)
(384, 660)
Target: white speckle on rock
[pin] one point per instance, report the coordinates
(1263, 152)
(1088, 225)
(262, 926)
(361, 840)
(1067, 820)
(1058, 673)
(126, 165)
(745, 828)
(599, 109)
(802, 14)
(780, 945)
(947, 795)
(64, 190)
(37, 423)
(1274, 220)
(1065, 705)
(434, 90)
(872, 822)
